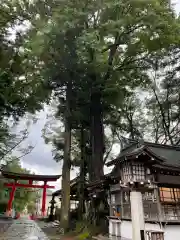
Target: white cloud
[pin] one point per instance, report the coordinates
(176, 5)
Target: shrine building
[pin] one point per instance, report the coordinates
(143, 192)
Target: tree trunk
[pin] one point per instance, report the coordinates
(97, 162)
(65, 203)
(97, 137)
(81, 206)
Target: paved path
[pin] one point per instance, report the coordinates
(24, 229)
(101, 237)
(4, 225)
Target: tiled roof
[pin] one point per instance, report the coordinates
(73, 182)
(169, 155)
(167, 167)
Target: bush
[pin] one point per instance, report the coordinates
(83, 236)
(80, 226)
(3, 206)
(85, 230)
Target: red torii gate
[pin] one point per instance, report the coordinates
(30, 178)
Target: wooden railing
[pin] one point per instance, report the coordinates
(170, 213)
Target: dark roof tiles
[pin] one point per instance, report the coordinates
(168, 155)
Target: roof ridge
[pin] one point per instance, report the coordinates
(162, 145)
(128, 146)
(162, 159)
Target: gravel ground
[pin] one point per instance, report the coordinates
(24, 229)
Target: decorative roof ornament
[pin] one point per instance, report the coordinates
(126, 142)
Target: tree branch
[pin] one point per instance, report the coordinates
(28, 152)
(110, 149)
(12, 148)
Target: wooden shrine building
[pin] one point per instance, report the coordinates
(56, 197)
(143, 192)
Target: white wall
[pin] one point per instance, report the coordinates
(170, 232)
(126, 228)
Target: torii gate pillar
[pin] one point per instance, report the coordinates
(44, 199)
(30, 178)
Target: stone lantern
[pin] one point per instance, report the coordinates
(52, 202)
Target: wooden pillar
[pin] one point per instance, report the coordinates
(44, 199)
(11, 197)
(122, 207)
(30, 182)
(160, 212)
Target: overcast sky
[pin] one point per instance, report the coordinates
(176, 4)
(40, 160)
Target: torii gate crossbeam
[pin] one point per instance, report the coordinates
(30, 178)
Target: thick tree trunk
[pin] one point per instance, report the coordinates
(97, 137)
(97, 162)
(81, 206)
(65, 204)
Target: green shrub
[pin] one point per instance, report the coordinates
(83, 236)
(80, 226)
(3, 206)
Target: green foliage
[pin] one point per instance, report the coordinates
(85, 230)
(81, 230)
(83, 236)
(3, 206)
(31, 207)
(116, 19)
(107, 46)
(19, 91)
(103, 48)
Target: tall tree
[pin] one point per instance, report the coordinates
(102, 52)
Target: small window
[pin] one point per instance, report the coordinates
(171, 212)
(126, 197)
(169, 194)
(138, 171)
(113, 199)
(126, 171)
(157, 236)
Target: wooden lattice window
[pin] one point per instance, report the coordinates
(171, 212)
(126, 196)
(157, 236)
(138, 171)
(126, 211)
(127, 174)
(153, 235)
(169, 194)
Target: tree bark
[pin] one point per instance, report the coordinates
(65, 203)
(81, 206)
(97, 135)
(97, 161)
